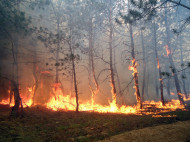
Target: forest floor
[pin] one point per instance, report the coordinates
(176, 132)
(41, 124)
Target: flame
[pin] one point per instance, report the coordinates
(187, 99)
(135, 76)
(164, 115)
(169, 106)
(172, 93)
(134, 66)
(60, 101)
(7, 102)
(45, 72)
(158, 64)
(30, 89)
(26, 99)
(167, 50)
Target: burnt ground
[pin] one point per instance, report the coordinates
(41, 124)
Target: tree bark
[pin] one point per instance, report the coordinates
(144, 65)
(15, 109)
(112, 79)
(35, 86)
(183, 71)
(57, 50)
(91, 63)
(116, 73)
(74, 72)
(172, 66)
(134, 65)
(158, 66)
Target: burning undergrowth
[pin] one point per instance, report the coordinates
(58, 101)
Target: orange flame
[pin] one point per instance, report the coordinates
(167, 50)
(158, 64)
(134, 66)
(65, 102)
(45, 72)
(172, 93)
(59, 101)
(26, 99)
(164, 115)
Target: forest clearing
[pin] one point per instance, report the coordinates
(86, 70)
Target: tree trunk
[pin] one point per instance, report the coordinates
(91, 63)
(74, 73)
(183, 74)
(35, 86)
(168, 82)
(144, 64)
(158, 66)
(134, 65)
(172, 66)
(15, 109)
(111, 56)
(57, 50)
(116, 73)
(11, 84)
(156, 78)
(15, 82)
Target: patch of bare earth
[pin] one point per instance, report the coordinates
(176, 132)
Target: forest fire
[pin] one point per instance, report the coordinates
(26, 99)
(59, 101)
(84, 70)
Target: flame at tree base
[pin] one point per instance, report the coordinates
(58, 101)
(67, 103)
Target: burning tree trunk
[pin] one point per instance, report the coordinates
(111, 57)
(134, 68)
(176, 80)
(91, 63)
(35, 86)
(17, 98)
(183, 72)
(11, 94)
(15, 82)
(158, 66)
(172, 66)
(144, 64)
(18, 102)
